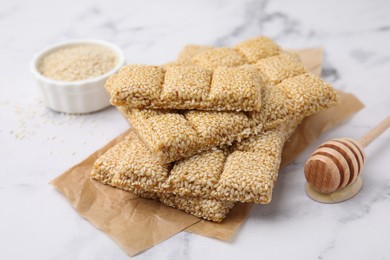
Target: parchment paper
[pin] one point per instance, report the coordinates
(137, 224)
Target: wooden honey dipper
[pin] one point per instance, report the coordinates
(333, 170)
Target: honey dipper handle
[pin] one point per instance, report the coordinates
(375, 132)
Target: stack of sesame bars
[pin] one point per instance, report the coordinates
(209, 129)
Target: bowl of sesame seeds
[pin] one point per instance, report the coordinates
(71, 75)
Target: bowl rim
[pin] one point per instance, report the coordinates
(37, 57)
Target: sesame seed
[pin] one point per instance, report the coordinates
(77, 62)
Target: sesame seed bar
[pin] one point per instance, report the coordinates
(209, 209)
(189, 51)
(175, 134)
(186, 87)
(172, 135)
(217, 79)
(244, 172)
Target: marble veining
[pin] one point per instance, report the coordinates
(38, 144)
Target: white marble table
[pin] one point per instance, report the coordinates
(37, 144)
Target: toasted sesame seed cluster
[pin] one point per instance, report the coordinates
(215, 81)
(203, 162)
(243, 172)
(187, 87)
(210, 209)
(290, 93)
(175, 134)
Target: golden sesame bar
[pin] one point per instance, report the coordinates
(209, 209)
(173, 134)
(203, 78)
(190, 51)
(245, 172)
(186, 87)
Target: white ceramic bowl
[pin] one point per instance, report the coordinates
(82, 96)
